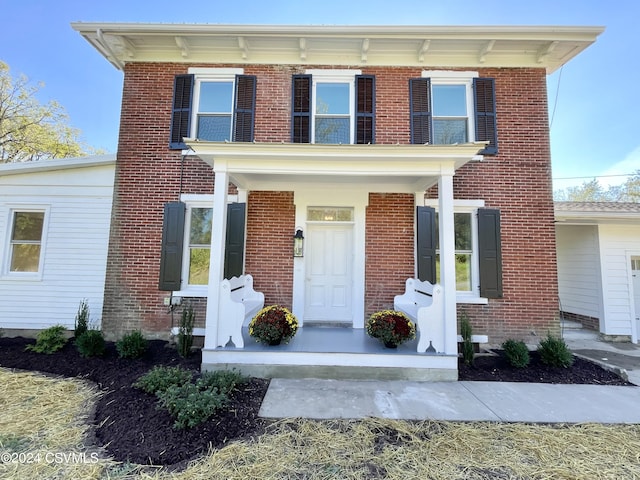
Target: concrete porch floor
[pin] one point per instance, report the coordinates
(332, 352)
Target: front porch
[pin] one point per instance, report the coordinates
(332, 352)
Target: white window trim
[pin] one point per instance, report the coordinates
(6, 269)
(210, 75)
(193, 201)
(450, 77)
(468, 206)
(334, 76)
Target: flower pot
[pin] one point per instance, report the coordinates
(390, 345)
(275, 342)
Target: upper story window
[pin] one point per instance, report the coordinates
(213, 104)
(333, 107)
(453, 107)
(25, 242)
(215, 110)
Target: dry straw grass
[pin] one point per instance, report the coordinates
(42, 419)
(42, 414)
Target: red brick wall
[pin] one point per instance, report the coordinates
(517, 181)
(389, 248)
(269, 247)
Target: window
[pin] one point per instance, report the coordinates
(332, 119)
(26, 241)
(186, 244)
(453, 107)
(466, 254)
(450, 117)
(477, 249)
(333, 107)
(215, 110)
(213, 104)
(198, 245)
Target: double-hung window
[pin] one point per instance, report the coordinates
(198, 244)
(213, 104)
(333, 107)
(26, 241)
(478, 264)
(453, 107)
(186, 244)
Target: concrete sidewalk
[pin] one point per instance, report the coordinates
(472, 401)
(457, 401)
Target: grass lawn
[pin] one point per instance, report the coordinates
(44, 434)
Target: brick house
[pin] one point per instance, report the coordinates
(397, 152)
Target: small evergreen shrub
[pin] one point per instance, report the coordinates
(49, 340)
(516, 352)
(185, 332)
(82, 319)
(160, 378)
(468, 354)
(225, 381)
(132, 345)
(555, 353)
(189, 405)
(91, 343)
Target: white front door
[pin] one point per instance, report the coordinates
(329, 273)
(635, 274)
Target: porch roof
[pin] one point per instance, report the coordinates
(393, 168)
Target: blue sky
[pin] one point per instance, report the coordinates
(593, 100)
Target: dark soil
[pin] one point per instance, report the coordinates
(131, 428)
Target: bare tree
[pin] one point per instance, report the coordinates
(29, 130)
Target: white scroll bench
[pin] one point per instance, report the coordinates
(422, 303)
(239, 303)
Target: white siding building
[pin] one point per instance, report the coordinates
(598, 249)
(54, 232)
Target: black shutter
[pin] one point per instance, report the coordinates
(490, 254)
(234, 245)
(301, 111)
(181, 111)
(244, 111)
(484, 92)
(365, 109)
(420, 105)
(426, 243)
(172, 240)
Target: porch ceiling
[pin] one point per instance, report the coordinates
(390, 168)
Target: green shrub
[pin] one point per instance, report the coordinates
(185, 332)
(132, 345)
(516, 352)
(82, 319)
(49, 340)
(160, 378)
(555, 353)
(91, 343)
(225, 381)
(189, 405)
(468, 354)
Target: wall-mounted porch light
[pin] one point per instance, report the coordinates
(298, 243)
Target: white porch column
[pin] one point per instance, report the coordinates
(216, 262)
(448, 261)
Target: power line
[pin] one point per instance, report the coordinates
(594, 176)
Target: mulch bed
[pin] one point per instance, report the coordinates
(130, 427)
